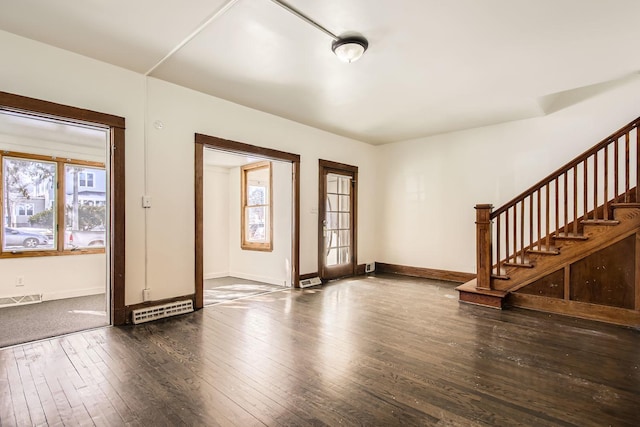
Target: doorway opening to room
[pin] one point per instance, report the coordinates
(56, 204)
(247, 215)
(337, 220)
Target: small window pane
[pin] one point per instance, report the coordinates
(257, 195)
(256, 230)
(344, 221)
(344, 256)
(332, 202)
(344, 203)
(333, 241)
(85, 208)
(29, 194)
(332, 221)
(332, 257)
(344, 237)
(345, 185)
(332, 183)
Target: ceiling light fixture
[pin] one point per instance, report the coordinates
(347, 48)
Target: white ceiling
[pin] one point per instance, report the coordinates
(432, 66)
(16, 126)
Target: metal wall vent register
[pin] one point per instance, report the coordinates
(148, 314)
(20, 300)
(314, 281)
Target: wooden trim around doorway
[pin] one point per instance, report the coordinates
(328, 165)
(206, 141)
(116, 125)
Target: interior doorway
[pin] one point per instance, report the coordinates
(248, 233)
(115, 164)
(337, 220)
(57, 207)
(247, 225)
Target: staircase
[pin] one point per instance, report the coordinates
(571, 243)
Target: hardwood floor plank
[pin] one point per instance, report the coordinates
(378, 350)
(7, 414)
(396, 394)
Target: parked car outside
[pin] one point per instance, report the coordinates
(84, 238)
(27, 239)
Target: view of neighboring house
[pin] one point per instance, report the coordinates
(30, 192)
(91, 187)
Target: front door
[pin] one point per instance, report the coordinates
(337, 220)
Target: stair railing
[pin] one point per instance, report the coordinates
(557, 206)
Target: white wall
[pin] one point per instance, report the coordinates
(423, 191)
(166, 265)
(185, 112)
(270, 267)
(216, 222)
(54, 277)
(40, 71)
(429, 186)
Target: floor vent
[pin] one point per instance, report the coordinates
(314, 281)
(148, 314)
(22, 299)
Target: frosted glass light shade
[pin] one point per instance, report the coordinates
(349, 49)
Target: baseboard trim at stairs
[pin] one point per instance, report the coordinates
(424, 273)
(602, 313)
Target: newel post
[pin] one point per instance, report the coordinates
(483, 246)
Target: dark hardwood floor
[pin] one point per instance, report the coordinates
(370, 351)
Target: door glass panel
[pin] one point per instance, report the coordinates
(332, 221)
(344, 203)
(344, 237)
(337, 220)
(332, 257)
(332, 184)
(332, 202)
(344, 184)
(344, 221)
(344, 255)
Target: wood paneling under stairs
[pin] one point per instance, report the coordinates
(600, 269)
(606, 277)
(378, 351)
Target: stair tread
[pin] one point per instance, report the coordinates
(470, 287)
(518, 264)
(570, 236)
(600, 222)
(500, 277)
(552, 250)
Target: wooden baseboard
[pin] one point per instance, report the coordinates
(425, 273)
(360, 269)
(618, 316)
(129, 308)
